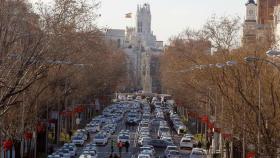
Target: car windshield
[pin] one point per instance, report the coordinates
(123, 137)
(131, 115)
(186, 140)
(164, 129)
(146, 117)
(172, 148)
(197, 153)
(146, 138)
(145, 148)
(77, 138)
(99, 137)
(174, 153)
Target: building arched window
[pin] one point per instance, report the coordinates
(119, 43)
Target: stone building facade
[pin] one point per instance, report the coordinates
(141, 47)
(261, 22)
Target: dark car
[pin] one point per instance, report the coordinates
(158, 143)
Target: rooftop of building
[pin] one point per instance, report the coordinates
(251, 2)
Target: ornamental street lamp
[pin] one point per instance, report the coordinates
(251, 59)
(273, 53)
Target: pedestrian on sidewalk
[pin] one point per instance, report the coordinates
(112, 146)
(116, 156)
(120, 145)
(111, 155)
(199, 144)
(208, 144)
(126, 146)
(88, 135)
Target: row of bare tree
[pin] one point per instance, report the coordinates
(242, 96)
(52, 56)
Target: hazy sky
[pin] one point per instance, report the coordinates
(169, 17)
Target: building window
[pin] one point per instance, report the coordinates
(140, 25)
(119, 43)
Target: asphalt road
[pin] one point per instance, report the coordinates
(105, 151)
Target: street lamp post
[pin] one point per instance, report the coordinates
(249, 60)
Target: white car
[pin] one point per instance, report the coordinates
(129, 97)
(143, 129)
(65, 153)
(138, 98)
(154, 99)
(167, 139)
(163, 129)
(186, 143)
(124, 138)
(54, 156)
(71, 151)
(169, 148)
(121, 97)
(80, 135)
(78, 141)
(198, 153)
(163, 123)
(88, 156)
(92, 153)
(144, 156)
(144, 140)
(148, 148)
(147, 152)
(101, 139)
(71, 145)
(93, 128)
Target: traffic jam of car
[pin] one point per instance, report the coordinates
(133, 127)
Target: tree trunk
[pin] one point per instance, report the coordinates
(17, 145)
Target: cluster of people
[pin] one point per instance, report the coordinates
(120, 145)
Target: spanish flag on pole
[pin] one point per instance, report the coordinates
(128, 15)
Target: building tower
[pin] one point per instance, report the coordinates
(277, 27)
(143, 25)
(249, 28)
(265, 11)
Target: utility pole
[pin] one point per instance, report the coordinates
(22, 126)
(221, 147)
